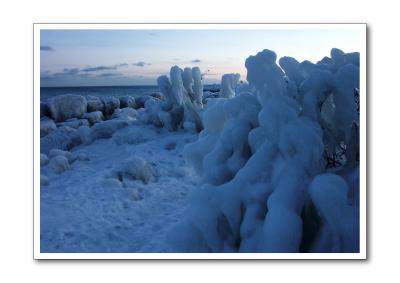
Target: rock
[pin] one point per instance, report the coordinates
(56, 152)
(140, 101)
(44, 111)
(74, 123)
(59, 164)
(63, 138)
(94, 117)
(106, 129)
(128, 114)
(47, 125)
(158, 95)
(44, 160)
(139, 169)
(44, 180)
(94, 104)
(67, 106)
(127, 101)
(110, 104)
(85, 135)
(81, 156)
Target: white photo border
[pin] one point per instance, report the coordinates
(362, 27)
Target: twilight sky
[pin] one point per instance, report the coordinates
(138, 57)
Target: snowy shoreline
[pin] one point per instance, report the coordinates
(271, 165)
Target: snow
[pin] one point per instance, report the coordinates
(228, 85)
(86, 209)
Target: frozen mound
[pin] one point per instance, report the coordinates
(63, 138)
(228, 85)
(110, 104)
(264, 162)
(106, 129)
(44, 160)
(183, 92)
(59, 164)
(47, 125)
(74, 123)
(128, 114)
(127, 101)
(64, 107)
(58, 152)
(94, 104)
(44, 111)
(44, 180)
(94, 117)
(136, 169)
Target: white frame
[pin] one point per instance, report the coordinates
(363, 150)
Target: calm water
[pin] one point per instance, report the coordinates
(135, 91)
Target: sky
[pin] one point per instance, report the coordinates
(98, 57)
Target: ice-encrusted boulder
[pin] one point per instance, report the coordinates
(228, 85)
(59, 164)
(63, 138)
(67, 106)
(127, 114)
(44, 111)
(56, 152)
(127, 101)
(74, 122)
(44, 180)
(47, 125)
(44, 160)
(106, 129)
(140, 101)
(94, 103)
(110, 104)
(137, 168)
(94, 117)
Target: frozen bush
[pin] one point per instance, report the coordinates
(110, 104)
(127, 101)
(228, 85)
(258, 157)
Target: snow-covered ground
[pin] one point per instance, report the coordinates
(90, 208)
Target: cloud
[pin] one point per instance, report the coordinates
(67, 72)
(122, 65)
(108, 75)
(46, 48)
(141, 64)
(196, 61)
(99, 68)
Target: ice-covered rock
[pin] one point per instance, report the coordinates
(59, 164)
(139, 169)
(47, 125)
(94, 117)
(106, 129)
(63, 138)
(110, 104)
(56, 152)
(84, 135)
(80, 156)
(140, 101)
(127, 101)
(44, 180)
(127, 114)
(94, 103)
(75, 123)
(44, 111)
(228, 85)
(44, 160)
(67, 106)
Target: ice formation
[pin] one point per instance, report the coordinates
(263, 159)
(64, 107)
(228, 85)
(183, 92)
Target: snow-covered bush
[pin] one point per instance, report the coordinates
(228, 85)
(263, 163)
(183, 93)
